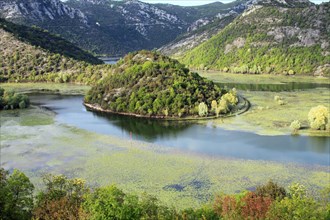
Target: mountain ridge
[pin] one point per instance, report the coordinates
(110, 27)
(270, 39)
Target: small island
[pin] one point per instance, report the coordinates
(147, 84)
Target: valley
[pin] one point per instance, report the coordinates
(133, 110)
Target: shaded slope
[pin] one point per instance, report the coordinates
(32, 54)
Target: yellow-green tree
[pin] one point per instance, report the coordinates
(318, 117)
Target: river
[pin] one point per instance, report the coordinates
(189, 136)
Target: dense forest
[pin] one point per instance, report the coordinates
(147, 83)
(267, 40)
(64, 198)
(34, 55)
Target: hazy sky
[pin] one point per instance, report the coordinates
(202, 2)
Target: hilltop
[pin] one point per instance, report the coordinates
(149, 84)
(271, 37)
(33, 54)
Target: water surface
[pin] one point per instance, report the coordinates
(188, 136)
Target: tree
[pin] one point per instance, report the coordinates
(223, 106)
(111, 203)
(16, 196)
(255, 206)
(202, 109)
(296, 206)
(214, 106)
(295, 125)
(318, 117)
(272, 190)
(61, 199)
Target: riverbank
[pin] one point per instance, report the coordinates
(242, 106)
(268, 116)
(265, 116)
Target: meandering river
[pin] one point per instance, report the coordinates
(189, 136)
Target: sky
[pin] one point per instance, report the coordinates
(203, 2)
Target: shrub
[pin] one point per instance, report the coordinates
(291, 72)
(255, 206)
(277, 98)
(272, 190)
(318, 117)
(231, 97)
(12, 100)
(295, 125)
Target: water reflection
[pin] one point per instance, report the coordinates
(188, 136)
(145, 129)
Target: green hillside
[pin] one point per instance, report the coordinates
(33, 54)
(149, 84)
(270, 39)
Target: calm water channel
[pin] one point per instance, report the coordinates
(190, 137)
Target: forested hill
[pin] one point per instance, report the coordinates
(43, 39)
(33, 54)
(271, 37)
(149, 84)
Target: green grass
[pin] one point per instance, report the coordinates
(266, 116)
(222, 77)
(60, 88)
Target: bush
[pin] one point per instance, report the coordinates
(12, 100)
(318, 117)
(277, 98)
(231, 98)
(272, 190)
(255, 206)
(295, 125)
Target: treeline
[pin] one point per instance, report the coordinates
(148, 83)
(12, 100)
(64, 198)
(251, 44)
